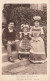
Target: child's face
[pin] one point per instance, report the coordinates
(11, 25)
(25, 29)
(36, 23)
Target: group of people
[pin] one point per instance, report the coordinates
(30, 39)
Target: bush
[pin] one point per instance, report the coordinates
(23, 15)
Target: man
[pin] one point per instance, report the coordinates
(11, 37)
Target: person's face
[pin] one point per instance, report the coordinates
(36, 23)
(25, 29)
(11, 25)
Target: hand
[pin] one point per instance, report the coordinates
(9, 42)
(20, 32)
(16, 40)
(13, 42)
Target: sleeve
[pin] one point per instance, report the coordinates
(42, 31)
(20, 35)
(4, 34)
(16, 36)
(30, 29)
(29, 36)
(4, 37)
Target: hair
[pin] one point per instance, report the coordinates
(36, 20)
(26, 27)
(10, 21)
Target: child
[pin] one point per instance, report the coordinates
(24, 40)
(37, 52)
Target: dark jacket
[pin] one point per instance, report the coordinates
(10, 36)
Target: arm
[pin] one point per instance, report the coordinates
(42, 33)
(29, 35)
(4, 35)
(16, 37)
(20, 35)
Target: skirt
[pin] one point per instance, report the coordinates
(25, 44)
(37, 51)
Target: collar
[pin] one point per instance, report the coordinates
(10, 30)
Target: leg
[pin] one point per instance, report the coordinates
(9, 53)
(9, 50)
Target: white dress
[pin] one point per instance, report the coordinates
(24, 44)
(37, 51)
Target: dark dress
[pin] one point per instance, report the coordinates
(25, 44)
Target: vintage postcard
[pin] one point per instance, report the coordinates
(24, 40)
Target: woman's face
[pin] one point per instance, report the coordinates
(36, 23)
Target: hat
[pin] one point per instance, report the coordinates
(37, 18)
(24, 26)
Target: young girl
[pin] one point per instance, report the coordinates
(24, 46)
(37, 51)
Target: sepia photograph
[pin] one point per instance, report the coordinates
(24, 39)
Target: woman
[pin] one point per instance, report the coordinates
(37, 51)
